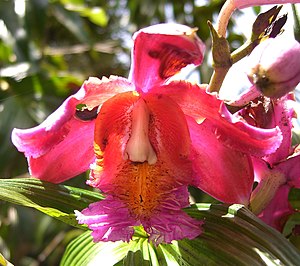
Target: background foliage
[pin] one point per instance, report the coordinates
(47, 49)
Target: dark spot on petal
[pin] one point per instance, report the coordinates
(153, 54)
(87, 115)
(105, 142)
(141, 199)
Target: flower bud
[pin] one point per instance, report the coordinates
(274, 66)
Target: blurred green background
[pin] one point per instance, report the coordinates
(47, 49)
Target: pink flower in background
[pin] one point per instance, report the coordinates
(279, 178)
(278, 172)
(150, 139)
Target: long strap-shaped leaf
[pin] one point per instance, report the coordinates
(232, 236)
(57, 201)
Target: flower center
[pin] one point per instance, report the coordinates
(139, 148)
(143, 188)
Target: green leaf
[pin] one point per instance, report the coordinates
(57, 201)
(83, 251)
(73, 22)
(232, 236)
(4, 262)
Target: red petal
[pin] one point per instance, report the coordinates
(162, 50)
(169, 135)
(112, 131)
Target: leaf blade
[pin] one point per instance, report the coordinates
(57, 201)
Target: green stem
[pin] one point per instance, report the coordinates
(296, 23)
(217, 79)
(221, 58)
(243, 51)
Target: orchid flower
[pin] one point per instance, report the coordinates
(145, 139)
(276, 173)
(278, 181)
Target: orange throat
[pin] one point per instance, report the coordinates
(142, 186)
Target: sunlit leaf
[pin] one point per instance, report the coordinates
(4, 262)
(232, 236)
(73, 22)
(83, 251)
(96, 15)
(57, 201)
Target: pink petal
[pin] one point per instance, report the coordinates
(162, 50)
(268, 114)
(171, 223)
(276, 59)
(222, 172)
(282, 115)
(168, 134)
(68, 158)
(62, 146)
(109, 219)
(290, 167)
(196, 102)
(246, 138)
(278, 210)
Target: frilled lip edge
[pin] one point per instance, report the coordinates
(111, 220)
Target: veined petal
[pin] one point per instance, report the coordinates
(109, 219)
(62, 146)
(171, 222)
(224, 173)
(196, 102)
(162, 50)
